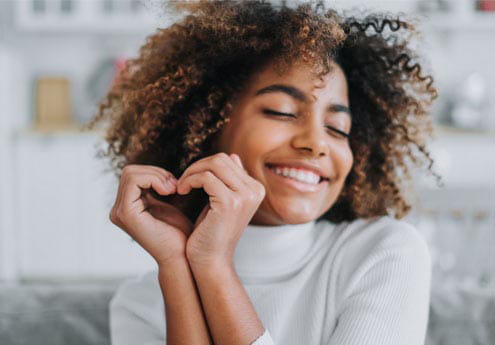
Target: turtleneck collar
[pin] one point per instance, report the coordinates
(271, 251)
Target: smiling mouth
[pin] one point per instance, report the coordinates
(298, 185)
(272, 168)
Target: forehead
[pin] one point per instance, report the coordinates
(331, 86)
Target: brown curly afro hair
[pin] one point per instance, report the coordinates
(171, 101)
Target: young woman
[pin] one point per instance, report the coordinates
(263, 153)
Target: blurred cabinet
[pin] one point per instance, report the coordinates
(63, 197)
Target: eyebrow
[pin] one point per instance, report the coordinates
(296, 93)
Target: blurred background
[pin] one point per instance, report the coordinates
(57, 246)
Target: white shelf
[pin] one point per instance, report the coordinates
(85, 16)
(475, 22)
(447, 131)
(69, 131)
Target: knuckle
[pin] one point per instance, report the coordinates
(209, 175)
(260, 189)
(219, 158)
(158, 179)
(114, 217)
(252, 196)
(222, 155)
(130, 179)
(235, 202)
(122, 217)
(257, 192)
(128, 169)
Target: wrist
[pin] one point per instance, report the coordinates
(204, 260)
(169, 271)
(171, 261)
(212, 266)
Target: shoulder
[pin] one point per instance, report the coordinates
(363, 237)
(381, 247)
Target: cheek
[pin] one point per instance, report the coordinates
(344, 159)
(261, 138)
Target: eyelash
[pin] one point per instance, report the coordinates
(276, 113)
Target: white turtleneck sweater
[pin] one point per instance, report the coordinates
(318, 283)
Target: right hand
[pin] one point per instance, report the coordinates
(159, 227)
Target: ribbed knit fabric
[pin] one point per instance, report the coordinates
(353, 283)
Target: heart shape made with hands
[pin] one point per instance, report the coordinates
(182, 201)
(232, 198)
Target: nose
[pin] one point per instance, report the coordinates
(312, 138)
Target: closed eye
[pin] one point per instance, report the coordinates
(277, 113)
(273, 112)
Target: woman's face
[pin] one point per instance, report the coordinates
(270, 144)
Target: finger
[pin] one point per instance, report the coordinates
(152, 198)
(251, 183)
(164, 172)
(237, 159)
(129, 172)
(134, 183)
(235, 162)
(223, 167)
(151, 169)
(211, 184)
(239, 168)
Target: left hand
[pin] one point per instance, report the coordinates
(234, 197)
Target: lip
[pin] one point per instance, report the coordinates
(299, 186)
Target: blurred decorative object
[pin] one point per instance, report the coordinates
(470, 103)
(53, 108)
(485, 5)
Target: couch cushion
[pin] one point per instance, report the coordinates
(55, 314)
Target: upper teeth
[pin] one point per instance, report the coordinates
(303, 176)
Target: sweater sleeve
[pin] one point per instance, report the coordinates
(137, 314)
(386, 293)
(264, 339)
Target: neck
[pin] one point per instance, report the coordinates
(273, 250)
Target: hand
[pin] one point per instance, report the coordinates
(159, 227)
(234, 197)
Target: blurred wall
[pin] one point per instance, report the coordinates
(55, 196)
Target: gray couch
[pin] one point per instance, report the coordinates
(77, 314)
(49, 314)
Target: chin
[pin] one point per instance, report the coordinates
(267, 215)
(296, 215)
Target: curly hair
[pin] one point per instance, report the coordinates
(171, 101)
